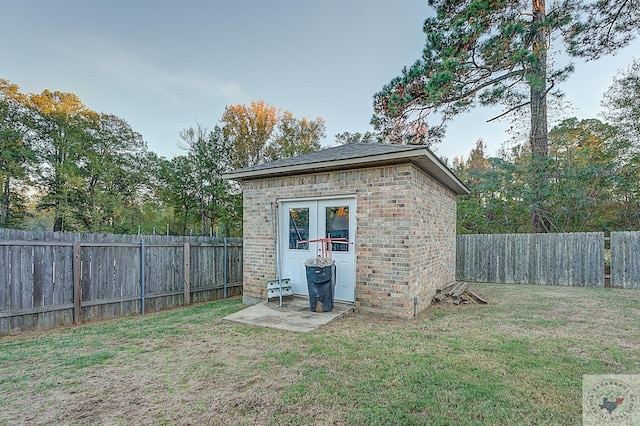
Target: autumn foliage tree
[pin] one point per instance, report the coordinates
(260, 132)
(250, 128)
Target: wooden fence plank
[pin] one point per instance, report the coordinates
(34, 310)
(111, 293)
(121, 265)
(26, 282)
(38, 284)
(55, 295)
(625, 259)
(196, 272)
(50, 279)
(88, 280)
(177, 279)
(15, 289)
(99, 280)
(5, 280)
(545, 259)
(159, 267)
(65, 280)
(49, 287)
(132, 288)
(152, 274)
(187, 274)
(234, 274)
(77, 284)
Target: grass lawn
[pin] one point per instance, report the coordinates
(517, 361)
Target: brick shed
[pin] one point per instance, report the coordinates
(396, 205)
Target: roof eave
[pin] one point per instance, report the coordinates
(453, 184)
(418, 157)
(331, 164)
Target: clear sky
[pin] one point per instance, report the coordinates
(166, 65)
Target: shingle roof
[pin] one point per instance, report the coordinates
(352, 156)
(341, 152)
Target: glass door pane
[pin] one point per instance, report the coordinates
(337, 226)
(298, 228)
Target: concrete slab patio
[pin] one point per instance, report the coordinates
(294, 315)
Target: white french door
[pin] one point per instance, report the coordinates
(311, 220)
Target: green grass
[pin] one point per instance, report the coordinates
(517, 361)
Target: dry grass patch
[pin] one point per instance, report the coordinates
(518, 360)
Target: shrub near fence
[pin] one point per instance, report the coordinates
(572, 259)
(52, 279)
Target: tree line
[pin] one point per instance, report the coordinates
(504, 52)
(591, 180)
(64, 167)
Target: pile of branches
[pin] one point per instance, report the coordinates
(458, 293)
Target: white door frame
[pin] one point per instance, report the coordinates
(292, 260)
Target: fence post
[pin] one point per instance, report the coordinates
(224, 269)
(142, 277)
(187, 274)
(77, 288)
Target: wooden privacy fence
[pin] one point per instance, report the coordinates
(571, 259)
(51, 279)
(625, 259)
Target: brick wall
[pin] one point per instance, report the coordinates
(405, 236)
(433, 257)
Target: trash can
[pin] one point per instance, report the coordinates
(320, 282)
